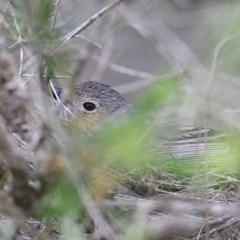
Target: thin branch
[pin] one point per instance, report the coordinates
(96, 44)
(56, 5)
(104, 59)
(140, 84)
(20, 39)
(91, 20)
(214, 64)
(59, 100)
(102, 228)
(176, 52)
(87, 23)
(28, 75)
(126, 70)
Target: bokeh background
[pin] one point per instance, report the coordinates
(193, 40)
(170, 169)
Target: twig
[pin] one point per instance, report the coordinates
(173, 205)
(28, 75)
(200, 232)
(177, 53)
(87, 23)
(102, 228)
(214, 65)
(20, 39)
(96, 44)
(56, 5)
(103, 61)
(126, 70)
(91, 20)
(137, 85)
(59, 100)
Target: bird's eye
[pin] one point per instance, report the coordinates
(89, 106)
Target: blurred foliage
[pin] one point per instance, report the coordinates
(62, 200)
(34, 25)
(35, 20)
(128, 146)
